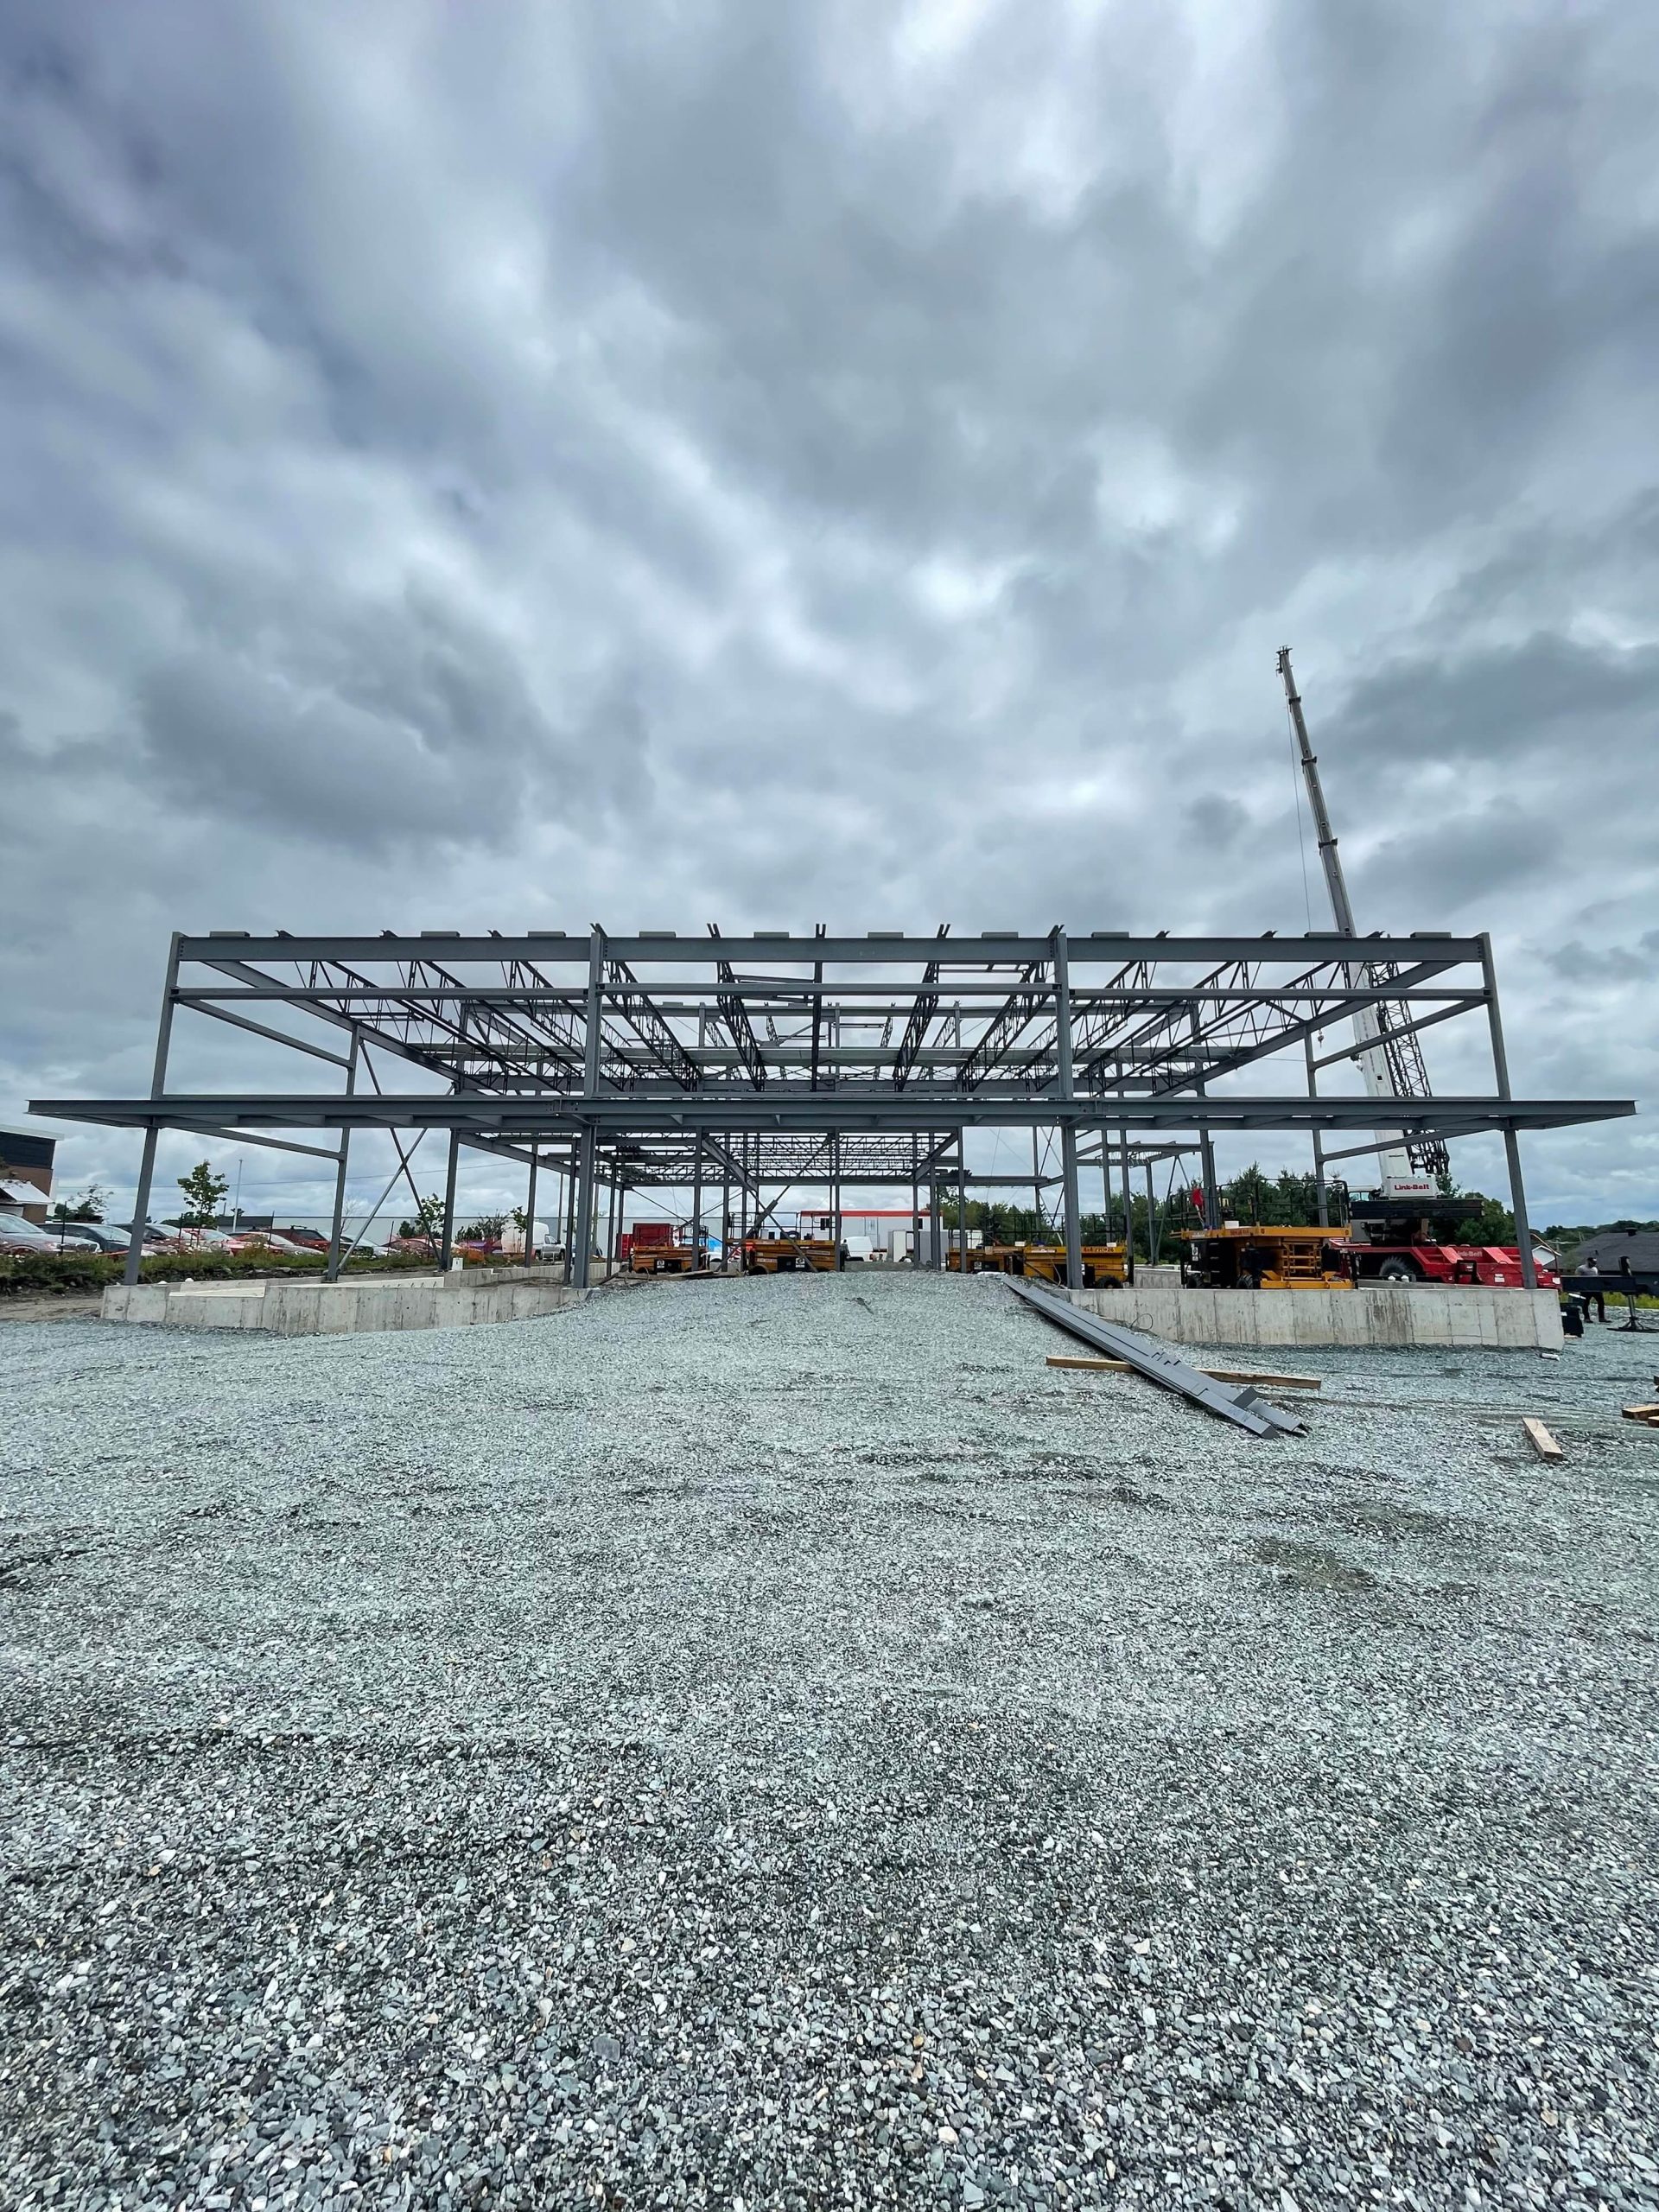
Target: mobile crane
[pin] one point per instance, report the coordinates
(1392, 1067)
(1407, 1230)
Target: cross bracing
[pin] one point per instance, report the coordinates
(656, 1060)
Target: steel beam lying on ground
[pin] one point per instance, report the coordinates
(1158, 1363)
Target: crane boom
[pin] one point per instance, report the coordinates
(1393, 1065)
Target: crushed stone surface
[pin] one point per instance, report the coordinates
(776, 1742)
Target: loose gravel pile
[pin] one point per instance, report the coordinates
(778, 1744)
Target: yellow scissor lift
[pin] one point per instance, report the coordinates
(783, 1255)
(1266, 1259)
(663, 1260)
(1103, 1265)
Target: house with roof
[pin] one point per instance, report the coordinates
(1608, 1247)
(26, 1173)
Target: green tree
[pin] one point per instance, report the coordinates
(89, 1206)
(204, 1193)
(485, 1230)
(1493, 1224)
(427, 1222)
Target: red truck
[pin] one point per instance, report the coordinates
(1389, 1242)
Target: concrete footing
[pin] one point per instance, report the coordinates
(302, 1307)
(1426, 1314)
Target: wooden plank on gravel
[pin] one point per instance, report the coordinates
(1216, 1374)
(1540, 1439)
(1648, 1413)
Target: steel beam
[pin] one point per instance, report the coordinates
(490, 1114)
(552, 948)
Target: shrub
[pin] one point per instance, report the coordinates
(67, 1274)
(51, 1274)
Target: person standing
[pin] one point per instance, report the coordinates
(1596, 1298)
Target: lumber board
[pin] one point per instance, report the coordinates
(1640, 1412)
(1540, 1439)
(1216, 1374)
(1150, 1356)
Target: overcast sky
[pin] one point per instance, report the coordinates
(483, 465)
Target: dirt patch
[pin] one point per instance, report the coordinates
(80, 1306)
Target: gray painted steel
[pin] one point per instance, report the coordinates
(1159, 1365)
(916, 1107)
(644, 1060)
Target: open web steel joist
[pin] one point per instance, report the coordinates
(660, 1060)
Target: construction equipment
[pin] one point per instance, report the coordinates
(659, 1247)
(1158, 1363)
(787, 1256)
(1395, 1240)
(1257, 1258)
(663, 1259)
(1628, 1286)
(1104, 1266)
(1413, 1165)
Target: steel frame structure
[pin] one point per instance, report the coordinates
(659, 1061)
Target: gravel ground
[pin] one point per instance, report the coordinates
(778, 1744)
(74, 1306)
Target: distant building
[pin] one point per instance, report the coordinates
(1609, 1246)
(26, 1173)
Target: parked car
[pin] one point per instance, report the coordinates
(17, 1235)
(84, 1236)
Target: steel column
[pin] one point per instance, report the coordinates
(1511, 1142)
(1319, 1147)
(582, 1239)
(331, 1273)
(1206, 1149)
(834, 1193)
(962, 1210)
(915, 1209)
(591, 1043)
(1128, 1215)
(157, 1088)
(446, 1250)
(141, 1206)
(1066, 1086)
(530, 1209)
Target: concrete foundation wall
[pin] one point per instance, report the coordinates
(1428, 1314)
(311, 1309)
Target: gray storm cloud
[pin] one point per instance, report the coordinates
(773, 460)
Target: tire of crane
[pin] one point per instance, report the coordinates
(1397, 1271)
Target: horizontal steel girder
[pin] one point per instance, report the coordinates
(915, 1108)
(1151, 997)
(549, 948)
